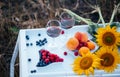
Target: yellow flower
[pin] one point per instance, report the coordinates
(108, 37)
(86, 64)
(110, 58)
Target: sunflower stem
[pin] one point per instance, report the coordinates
(114, 12)
(79, 17)
(100, 14)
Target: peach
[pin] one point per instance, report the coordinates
(78, 35)
(72, 43)
(90, 45)
(83, 50)
(84, 37)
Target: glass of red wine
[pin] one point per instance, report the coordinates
(53, 31)
(67, 22)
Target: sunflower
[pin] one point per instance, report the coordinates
(110, 58)
(86, 64)
(108, 37)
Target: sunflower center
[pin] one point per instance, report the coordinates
(86, 62)
(108, 38)
(108, 59)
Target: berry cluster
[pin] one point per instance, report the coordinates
(47, 58)
(41, 42)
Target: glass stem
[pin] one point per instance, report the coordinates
(53, 42)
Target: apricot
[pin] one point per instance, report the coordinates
(78, 35)
(83, 50)
(84, 37)
(90, 45)
(72, 43)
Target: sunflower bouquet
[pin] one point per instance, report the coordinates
(107, 37)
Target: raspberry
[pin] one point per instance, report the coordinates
(47, 60)
(56, 56)
(42, 50)
(57, 60)
(52, 59)
(60, 60)
(65, 53)
(76, 53)
(51, 55)
(44, 53)
(62, 32)
(47, 52)
(44, 57)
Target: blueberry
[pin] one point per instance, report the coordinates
(29, 59)
(46, 41)
(39, 34)
(32, 71)
(41, 60)
(42, 44)
(31, 44)
(44, 64)
(27, 37)
(40, 41)
(37, 43)
(41, 64)
(27, 44)
(38, 65)
(40, 55)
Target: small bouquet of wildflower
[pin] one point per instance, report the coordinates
(107, 37)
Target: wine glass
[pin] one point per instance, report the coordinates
(53, 31)
(67, 22)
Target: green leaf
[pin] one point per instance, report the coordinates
(117, 24)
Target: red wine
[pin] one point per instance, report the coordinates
(53, 31)
(68, 23)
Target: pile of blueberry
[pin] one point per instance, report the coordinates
(47, 58)
(41, 42)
